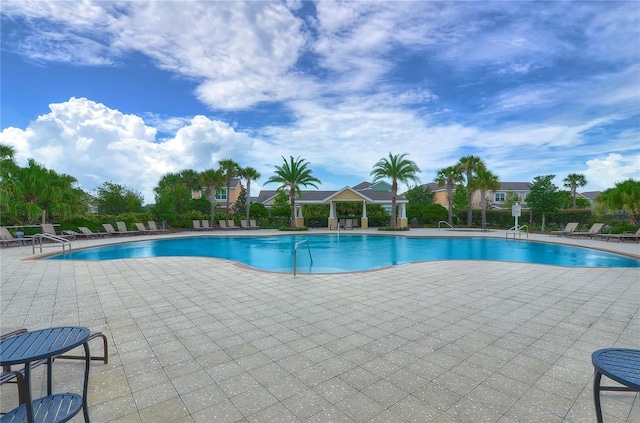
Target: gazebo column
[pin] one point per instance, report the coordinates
(402, 220)
(333, 222)
(299, 217)
(364, 221)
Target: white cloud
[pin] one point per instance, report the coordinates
(96, 144)
(603, 172)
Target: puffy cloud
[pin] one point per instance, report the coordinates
(96, 144)
(603, 172)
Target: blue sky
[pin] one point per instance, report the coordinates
(128, 91)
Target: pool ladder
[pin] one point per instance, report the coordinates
(37, 240)
(517, 230)
(295, 254)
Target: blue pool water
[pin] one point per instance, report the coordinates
(350, 253)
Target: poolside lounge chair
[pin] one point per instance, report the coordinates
(348, 224)
(122, 228)
(89, 233)
(140, 227)
(253, 224)
(108, 227)
(223, 224)
(232, 225)
(627, 235)
(197, 226)
(47, 228)
(567, 229)
(593, 231)
(244, 225)
(152, 225)
(73, 234)
(205, 225)
(6, 238)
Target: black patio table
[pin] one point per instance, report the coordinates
(619, 364)
(46, 344)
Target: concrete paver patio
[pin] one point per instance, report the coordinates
(205, 340)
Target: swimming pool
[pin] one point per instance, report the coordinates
(352, 253)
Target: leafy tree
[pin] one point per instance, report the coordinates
(469, 166)
(230, 170)
(112, 198)
(459, 198)
(398, 169)
(433, 213)
(241, 204)
(212, 180)
(281, 205)
(259, 210)
(420, 195)
(28, 193)
(565, 201)
(511, 199)
(172, 195)
(249, 174)
(486, 181)
(624, 196)
(450, 176)
(292, 175)
(543, 197)
(573, 181)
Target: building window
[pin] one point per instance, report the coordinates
(500, 197)
(221, 194)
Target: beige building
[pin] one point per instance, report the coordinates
(495, 198)
(221, 196)
(365, 192)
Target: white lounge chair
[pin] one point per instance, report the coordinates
(593, 231)
(7, 239)
(122, 228)
(570, 227)
(154, 227)
(140, 227)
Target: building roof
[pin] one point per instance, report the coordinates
(322, 196)
(590, 195)
(515, 186)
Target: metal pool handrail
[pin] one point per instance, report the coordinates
(295, 254)
(517, 230)
(446, 223)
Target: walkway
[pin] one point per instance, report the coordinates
(204, 340)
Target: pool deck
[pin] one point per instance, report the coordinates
(205, 340)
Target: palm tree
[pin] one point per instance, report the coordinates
(469, 166)
(230, 170)
(574, 181)
(449, 176)
(486, 181)
(250, 174)
(212, 179)
(398, 169)
(291, 176)
(33, 191)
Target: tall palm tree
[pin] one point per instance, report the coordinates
(469, 166)
(486, 181)
(574, 181)
(449, 176)
(398, 169)
(212, 180)
(230, 170)
(291, 176)
(250, 174)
